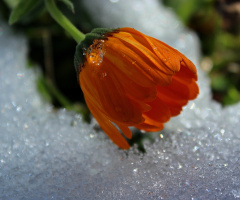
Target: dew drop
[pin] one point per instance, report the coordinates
(95, 53)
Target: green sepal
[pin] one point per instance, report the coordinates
(103, 31)
(22, 8)
(98, 33)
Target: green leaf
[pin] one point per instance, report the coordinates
(11, 3)
(219, 82)
(183, 8)
(69, 4)
(22, 8)
(232, 96)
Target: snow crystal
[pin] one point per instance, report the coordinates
(48, 154)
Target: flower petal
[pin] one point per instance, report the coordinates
(133, 89)
(149, 128)
(126, 131)
(192, 71)
(107, 126)
(168, 57)
(178, 92)
(159, 113)
(109, 95)
(148, 60)
(137, 64)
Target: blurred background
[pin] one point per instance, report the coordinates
(216, 22)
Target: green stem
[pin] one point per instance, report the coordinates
(63, 21)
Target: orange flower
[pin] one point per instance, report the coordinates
(130, 79)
